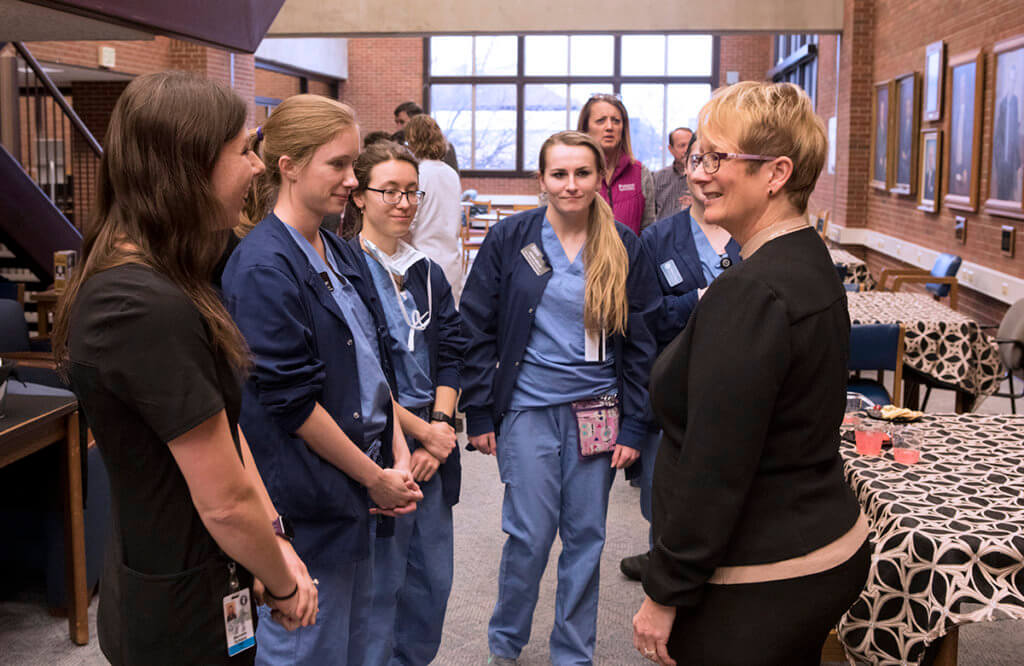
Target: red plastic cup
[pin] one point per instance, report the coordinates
(906, 456)
(869, 442)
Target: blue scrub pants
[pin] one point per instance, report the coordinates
(549, 488)
(339, 635)
(412, 581)
(647, 459)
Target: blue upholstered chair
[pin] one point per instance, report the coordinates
(877, 347)
(940, 282)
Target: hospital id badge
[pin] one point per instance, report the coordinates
(238, 622)
(595, 347)
(671, 273)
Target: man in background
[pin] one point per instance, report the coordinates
(405, 111)
(671, 192)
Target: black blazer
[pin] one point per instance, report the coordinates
(751, 396)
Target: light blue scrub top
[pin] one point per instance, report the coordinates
(710, 261)
(554, 369)
(412, 369)
(374, 393)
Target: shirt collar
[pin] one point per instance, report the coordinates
(770, 233)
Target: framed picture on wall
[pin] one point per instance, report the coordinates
(1006, 182)
(931, 170)
(934, 66)
(881, 136)
(967, 80)
(905, 126)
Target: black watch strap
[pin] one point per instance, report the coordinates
(283, 528)
(444, 418)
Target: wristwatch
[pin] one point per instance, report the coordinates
(443, 418)
(283, 528)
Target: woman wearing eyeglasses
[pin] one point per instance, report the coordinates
(555, 384)
(688, 253)
(413, 570)
(759, 544)
(317, 408)
(626, 184)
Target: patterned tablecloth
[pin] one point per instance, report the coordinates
(938, 340)
(947, 530)
(856, 269)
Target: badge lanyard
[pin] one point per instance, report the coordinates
(417, 321)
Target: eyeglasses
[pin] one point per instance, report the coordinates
(394, 197)
(712, 161)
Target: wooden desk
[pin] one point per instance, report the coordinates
(45, 302)
(32, 423)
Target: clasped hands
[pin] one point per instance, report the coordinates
(301, 608)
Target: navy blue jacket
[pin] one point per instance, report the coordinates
(497, 307)
(445, 341)
(303, 354)
(671, 238)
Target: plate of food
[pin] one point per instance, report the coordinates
(894, 414)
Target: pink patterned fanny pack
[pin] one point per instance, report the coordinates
(597, 424)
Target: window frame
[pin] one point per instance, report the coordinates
(520, 80)
(796, 56)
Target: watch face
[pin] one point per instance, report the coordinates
(283, 528)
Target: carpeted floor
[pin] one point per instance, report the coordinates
(29, 636)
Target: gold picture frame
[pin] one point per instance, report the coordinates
(934, 70)
(1006, 162)
(881, 135)
(963, 146)
(930, 170)
(906, 91)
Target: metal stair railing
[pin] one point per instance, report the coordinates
(57, 149)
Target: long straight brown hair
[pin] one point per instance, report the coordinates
(605, 306)
(155, 200)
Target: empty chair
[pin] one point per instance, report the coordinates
(940, 282)
(1010, 339)
(877, 347)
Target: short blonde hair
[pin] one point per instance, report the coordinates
(771, 119)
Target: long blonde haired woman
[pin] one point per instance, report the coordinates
(558, 363)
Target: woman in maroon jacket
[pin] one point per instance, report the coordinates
(627, 186)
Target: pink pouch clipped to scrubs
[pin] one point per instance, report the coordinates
(597, 424)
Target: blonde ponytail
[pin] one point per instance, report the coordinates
(605, 306)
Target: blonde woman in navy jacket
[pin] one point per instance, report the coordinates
(317, 407)
(543, 282)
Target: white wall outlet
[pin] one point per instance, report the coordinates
(107, 56)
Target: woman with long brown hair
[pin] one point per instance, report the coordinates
(555, 384)
(626, 184)
(154, 359)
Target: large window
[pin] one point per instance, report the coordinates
(498, 97)
(796, 61)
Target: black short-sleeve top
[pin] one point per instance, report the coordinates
(145, 370)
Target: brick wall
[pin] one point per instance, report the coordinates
(749, 55)
(383, 73)
(884, 39)
(157, 55)
(134, 57)
(276, 85)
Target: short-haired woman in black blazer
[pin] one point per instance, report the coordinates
(759, 543)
